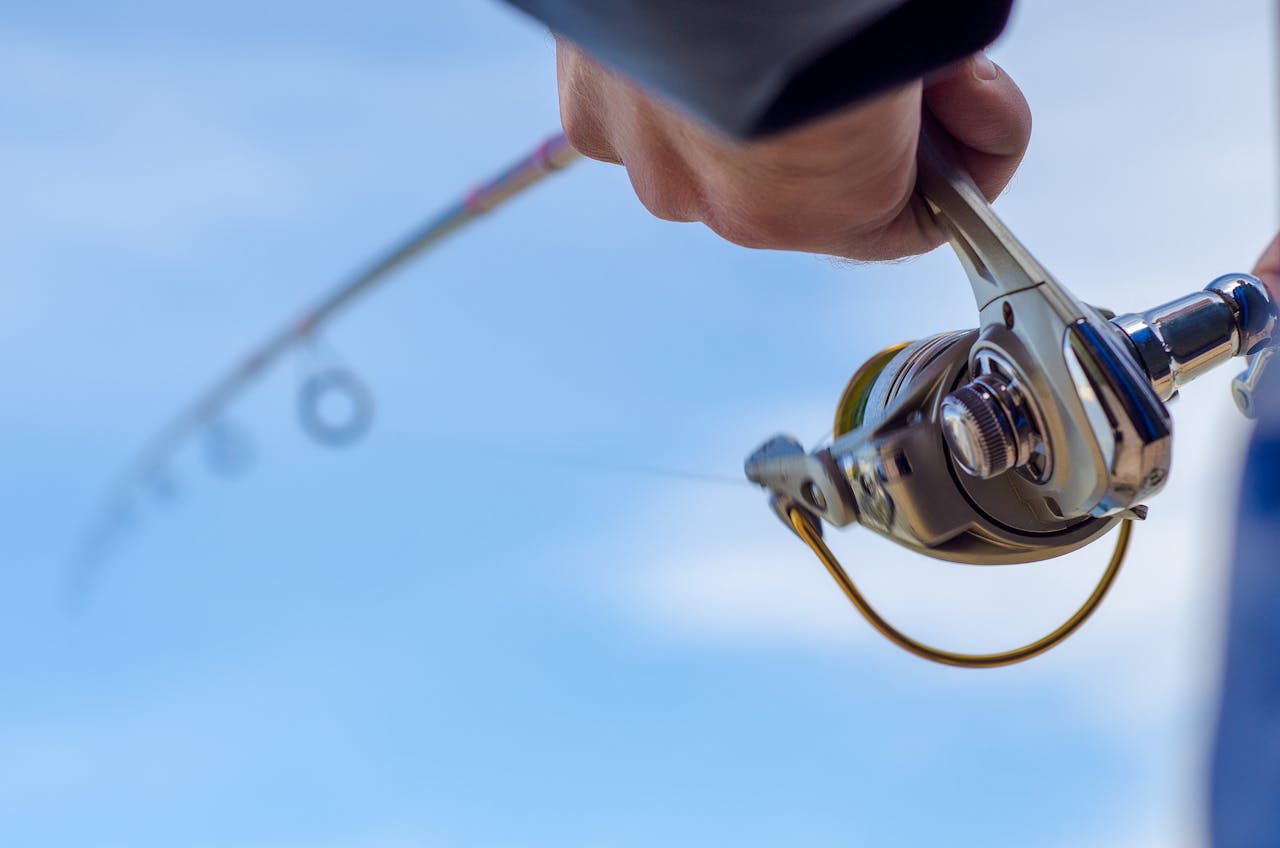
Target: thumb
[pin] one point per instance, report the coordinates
(985, 112)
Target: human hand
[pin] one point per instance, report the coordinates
(1268, 268)
(842, 186)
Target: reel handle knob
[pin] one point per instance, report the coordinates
(977, 432)
(1244, 386)
(985, 425)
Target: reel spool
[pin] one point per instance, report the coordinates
(1005, 524)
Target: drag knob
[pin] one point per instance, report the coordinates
(978, 423)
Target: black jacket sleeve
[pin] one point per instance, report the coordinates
(753, 67)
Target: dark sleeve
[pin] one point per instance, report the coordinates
(752, 67)
(1245, 774)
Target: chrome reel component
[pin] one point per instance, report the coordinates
(1025, 438)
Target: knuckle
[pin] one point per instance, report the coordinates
(583, 129)
(581, 116)
(670, 198)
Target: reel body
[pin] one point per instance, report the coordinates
(1023, 439)
(949, 448)
(947, 513)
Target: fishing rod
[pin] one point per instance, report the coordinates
(205, 413)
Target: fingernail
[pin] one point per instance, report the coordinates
(984, 68)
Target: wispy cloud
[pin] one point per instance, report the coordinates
(725, 576)
(146, 148)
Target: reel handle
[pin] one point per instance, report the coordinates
(1057, 396)
(996, 263)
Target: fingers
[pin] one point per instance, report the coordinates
(829, 187)
(609, 119)
(662, 180)
(1268, 268)
(984, 110)
(842, 185)
(582, 103)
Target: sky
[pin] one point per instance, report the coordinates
(465, 630)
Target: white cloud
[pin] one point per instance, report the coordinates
(725, 572)
(1140, 677)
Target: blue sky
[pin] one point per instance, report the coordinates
(443, 636)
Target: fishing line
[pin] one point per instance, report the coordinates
(587, 463)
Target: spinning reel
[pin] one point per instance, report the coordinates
(1026, 438)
